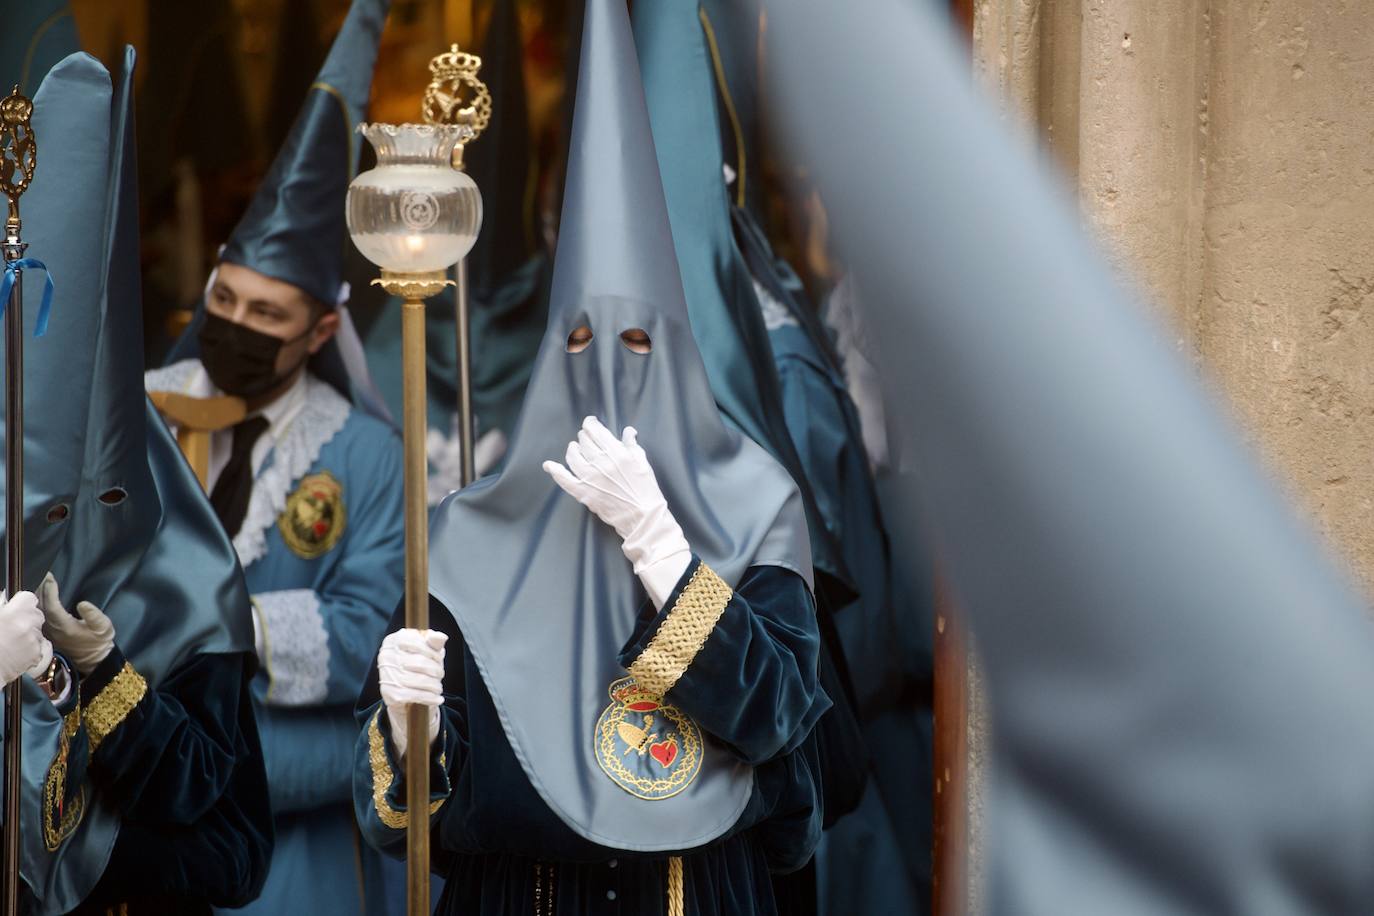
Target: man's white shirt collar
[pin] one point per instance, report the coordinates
(279, 415)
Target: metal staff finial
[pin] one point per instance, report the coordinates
(18, 152)
(454, 78)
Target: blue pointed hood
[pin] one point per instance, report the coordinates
(142, 542)
(63, 214)
(37, 34)
(500, 162)
(680, 94)
(294, 229)
(143, 526)
(532, 579)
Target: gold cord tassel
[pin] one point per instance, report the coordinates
(675, 894)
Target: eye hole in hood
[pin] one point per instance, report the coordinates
(637, 340)
(114, 496)
(580, 339)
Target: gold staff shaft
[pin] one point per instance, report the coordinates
(417, 596)
(454, 73)
(413, 289)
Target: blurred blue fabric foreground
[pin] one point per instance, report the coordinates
(1178, 678)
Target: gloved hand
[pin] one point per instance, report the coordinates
(410, 670)
(86, 640)
(23, 650)
(612, 477)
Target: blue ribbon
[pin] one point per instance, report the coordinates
(12, 269)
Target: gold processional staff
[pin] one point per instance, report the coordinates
(416, 215)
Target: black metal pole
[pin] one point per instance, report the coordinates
(466, 428)
(14, 550)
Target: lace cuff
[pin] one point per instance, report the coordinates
(295, 646)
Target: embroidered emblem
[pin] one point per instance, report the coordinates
(60, 819)
(314, 517)
(649, 748)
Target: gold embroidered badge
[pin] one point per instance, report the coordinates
(649, 748)
(314, 517)
(62, 815)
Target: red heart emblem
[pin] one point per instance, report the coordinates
(665, 752)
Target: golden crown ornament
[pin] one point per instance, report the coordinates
(454, 79)
(18, 148)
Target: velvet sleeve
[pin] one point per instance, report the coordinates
(183, 764)
(741, 662)
(379, 789)
(167, 754)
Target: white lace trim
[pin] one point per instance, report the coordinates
(178, 377)
(775, 314)
(296, 449)
(297, 646)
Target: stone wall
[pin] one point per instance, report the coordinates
(1223, 151)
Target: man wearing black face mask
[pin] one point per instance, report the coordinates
(309, 489)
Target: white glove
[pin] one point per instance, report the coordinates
(23, 650)
(410, 670)
(612, 477)
(86, 640)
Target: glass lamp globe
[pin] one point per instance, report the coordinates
(414, 213)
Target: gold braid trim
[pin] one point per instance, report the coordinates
(676, 907)
(113, 704)
(383, 776)
(683, 632)
(59, 821)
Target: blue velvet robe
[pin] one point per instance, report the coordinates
(878, 859)
(183, 766)
(323, 551)
(504, 853)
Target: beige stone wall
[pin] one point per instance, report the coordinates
(1223, 151)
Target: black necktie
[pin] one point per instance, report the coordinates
(230, 494)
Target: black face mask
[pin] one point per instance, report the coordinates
(242, 361)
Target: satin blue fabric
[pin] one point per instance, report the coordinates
(142, 543)
(72, 128)
(538, 585)
(1164, 643)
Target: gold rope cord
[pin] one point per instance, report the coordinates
(675, 892)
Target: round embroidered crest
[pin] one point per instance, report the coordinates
(649, 748)
(314, 517)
